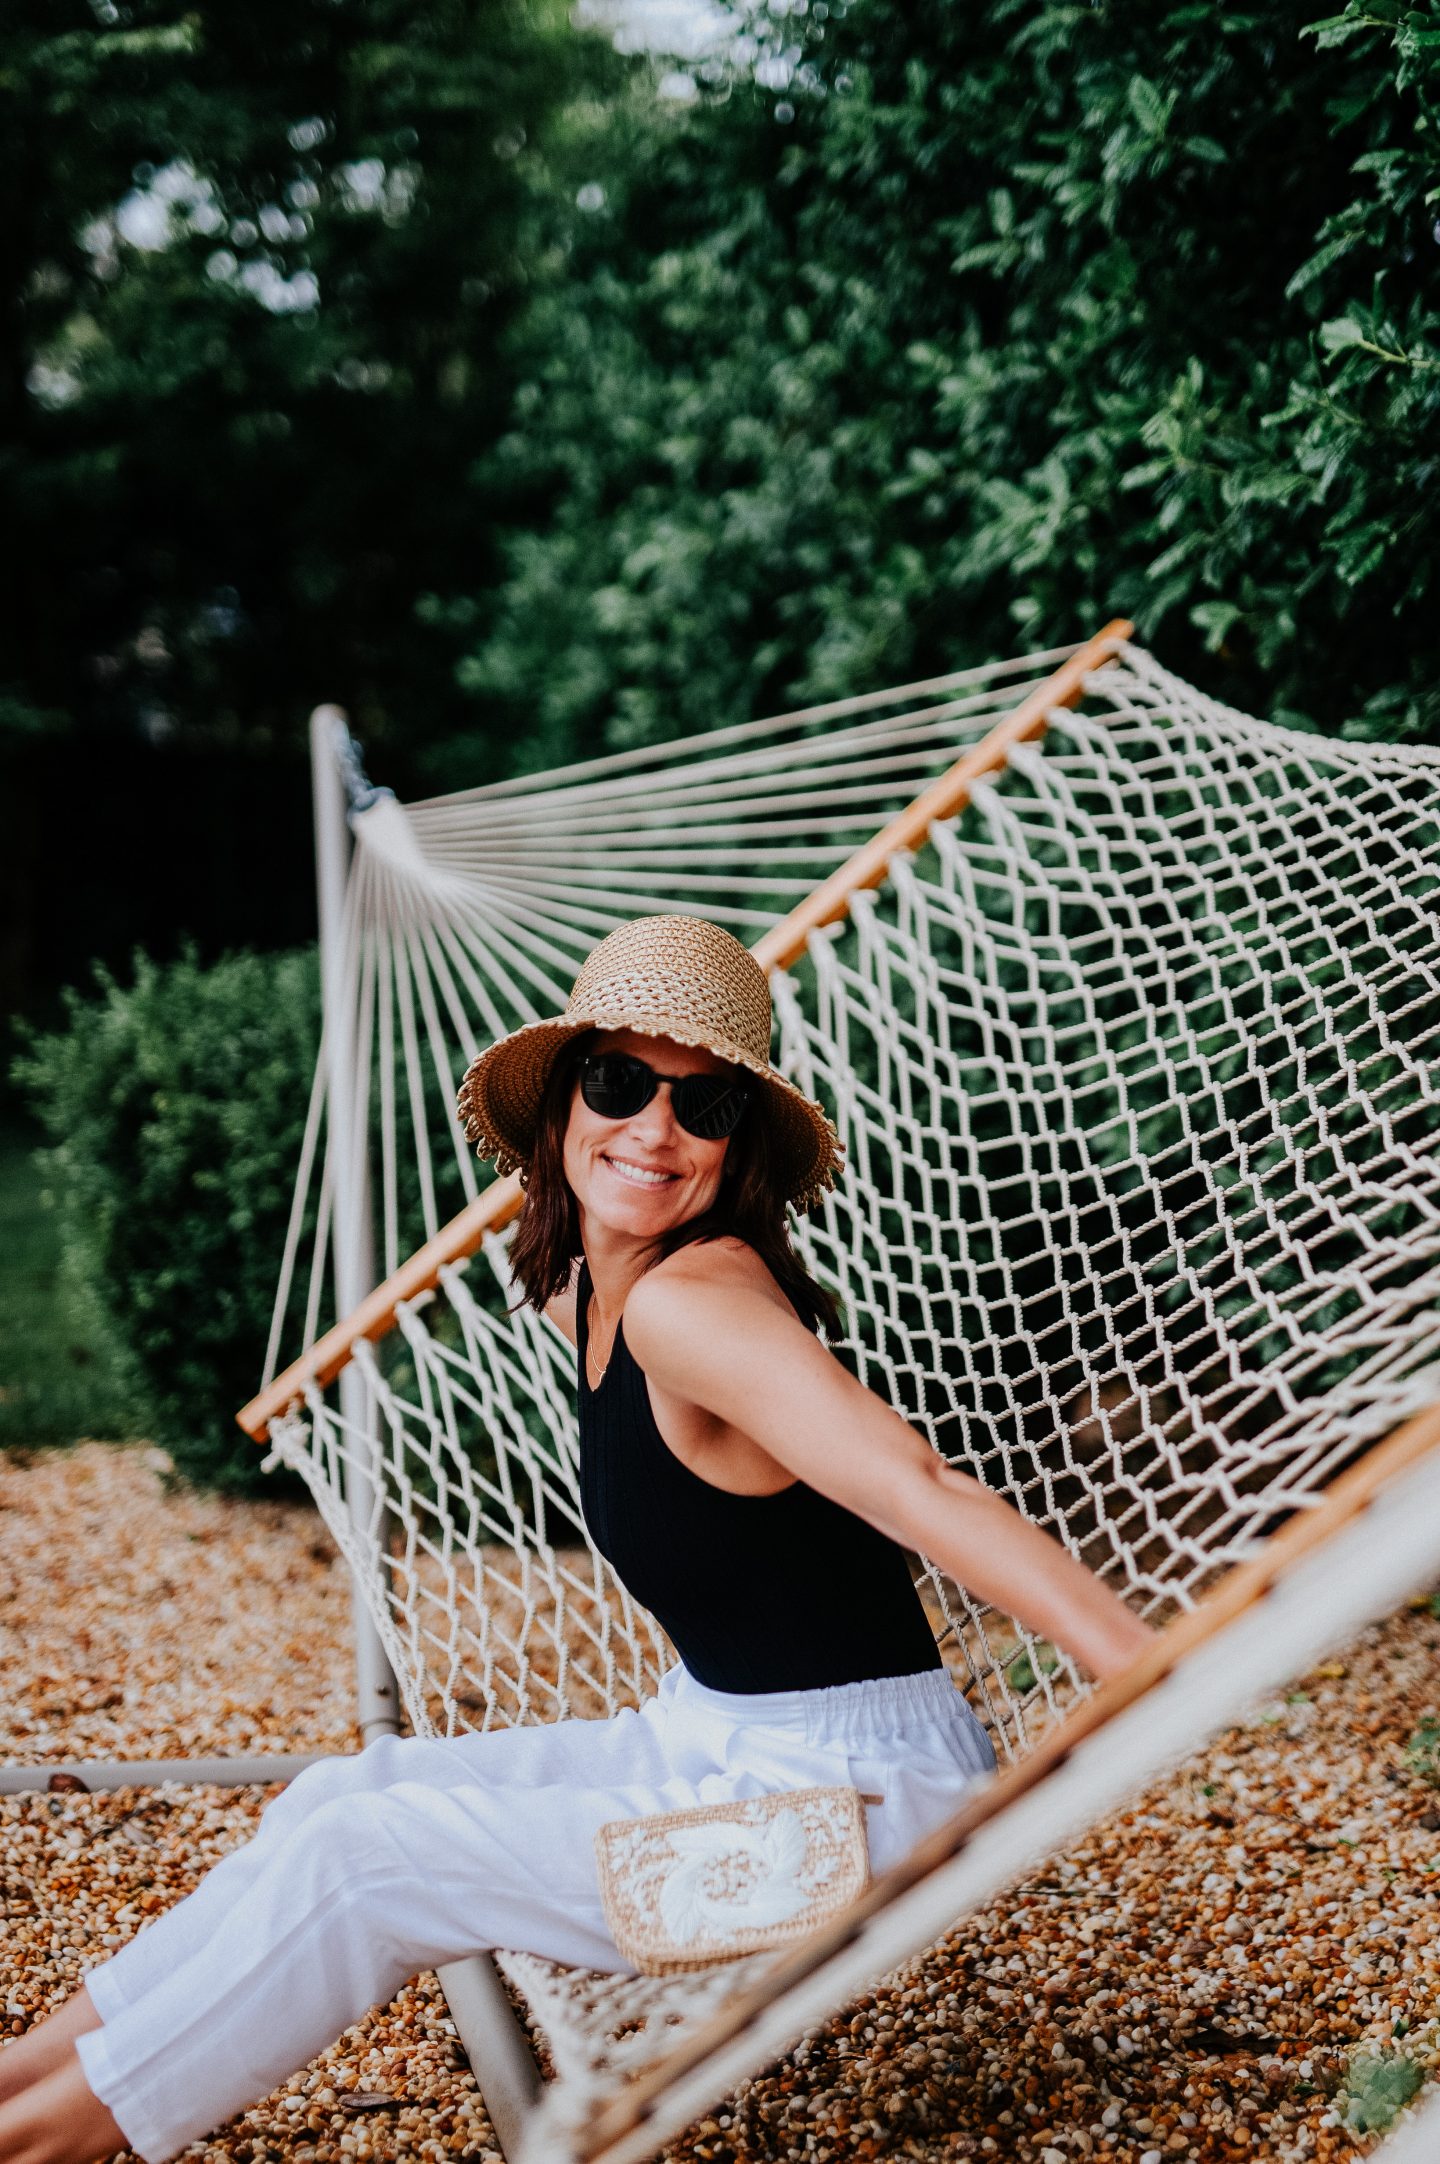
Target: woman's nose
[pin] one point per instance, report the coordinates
(655, 1122)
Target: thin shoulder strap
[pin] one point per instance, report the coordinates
(582, 1311)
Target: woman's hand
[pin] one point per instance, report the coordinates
(709, 1326)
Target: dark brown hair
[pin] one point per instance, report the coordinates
(749, 1207)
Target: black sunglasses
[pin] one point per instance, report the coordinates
(616, 1085)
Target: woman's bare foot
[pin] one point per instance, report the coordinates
(47, 2046)
(58, 2120)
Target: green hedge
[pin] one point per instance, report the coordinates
(60, 1379)
(174, 1108)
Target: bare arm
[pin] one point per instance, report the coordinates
(684, 1322)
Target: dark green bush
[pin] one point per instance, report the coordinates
(174, 1108)
(60, 1380)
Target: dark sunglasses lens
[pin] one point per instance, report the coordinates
(614, 1085)
(708, 1105)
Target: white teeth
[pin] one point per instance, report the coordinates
(637, 1173)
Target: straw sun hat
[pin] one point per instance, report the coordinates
(676, 977)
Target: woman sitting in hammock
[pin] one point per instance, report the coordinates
(748, 1490)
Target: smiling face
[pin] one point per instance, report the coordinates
(641, 1177)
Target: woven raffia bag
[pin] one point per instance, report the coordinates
(687, 1889)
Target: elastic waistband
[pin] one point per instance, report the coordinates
(832, 1710)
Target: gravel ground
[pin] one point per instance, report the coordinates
(1210, 1976)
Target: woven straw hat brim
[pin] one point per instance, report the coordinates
(499, 1098)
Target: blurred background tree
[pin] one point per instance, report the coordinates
(257, 266)
(256, 278)
(988, 323)
(522, 397)
(527, 397)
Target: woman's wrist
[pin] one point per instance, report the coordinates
(1117, 1645)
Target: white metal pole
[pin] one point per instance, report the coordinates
(354, 1243)
(103, 1773)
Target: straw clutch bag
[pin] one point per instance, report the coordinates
(685, 1889)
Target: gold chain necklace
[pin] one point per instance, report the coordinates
(596, 1373)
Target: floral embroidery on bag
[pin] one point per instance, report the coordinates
(685, 1888)
(769, 1893)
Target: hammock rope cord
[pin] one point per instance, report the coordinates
(1135, 1063)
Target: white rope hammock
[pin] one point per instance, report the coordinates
(468, 915)
(1134, 1060)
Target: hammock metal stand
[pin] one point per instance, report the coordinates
(486, 2024)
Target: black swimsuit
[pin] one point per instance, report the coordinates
(780, 1592)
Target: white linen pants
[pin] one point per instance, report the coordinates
(419, 1851)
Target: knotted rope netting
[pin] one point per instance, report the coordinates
(1135, 1064)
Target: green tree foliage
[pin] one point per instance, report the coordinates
(174, 1108)
(253, 271)
(991, 322)
(995, 322)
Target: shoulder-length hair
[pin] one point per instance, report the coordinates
(749, 1207)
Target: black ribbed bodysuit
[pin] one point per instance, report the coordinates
(781, 1592)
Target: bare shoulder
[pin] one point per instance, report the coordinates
(710, 1327)
(705, 1273)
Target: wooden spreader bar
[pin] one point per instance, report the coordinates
(782, 945)
(375, 1316)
